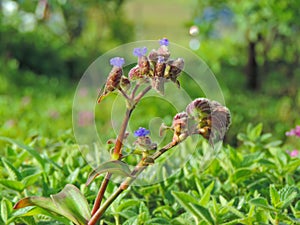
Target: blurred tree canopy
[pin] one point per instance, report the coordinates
(60, 37)
(260, 34)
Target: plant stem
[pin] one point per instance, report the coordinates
(118, 146)
(101, 192)
(129, 180)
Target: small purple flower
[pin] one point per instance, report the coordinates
(141, 132)
(117, 61)
(294, 132)
(293, 153)
(164, 42)
(139, 52)
(160, 59)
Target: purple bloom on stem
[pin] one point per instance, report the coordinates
(294, 132)
(164, 42)
(141, 132)
(139, 52)
(117, 61)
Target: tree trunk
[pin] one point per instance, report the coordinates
(252, 68)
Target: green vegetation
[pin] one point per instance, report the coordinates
(255, 178)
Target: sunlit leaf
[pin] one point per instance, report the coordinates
(12, 184)
(69, 203)
(114, 167)
(203, 213)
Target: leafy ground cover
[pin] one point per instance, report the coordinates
(252, 181)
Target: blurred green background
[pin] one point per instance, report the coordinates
(45, 46)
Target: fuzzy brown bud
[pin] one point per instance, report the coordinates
(180, 126)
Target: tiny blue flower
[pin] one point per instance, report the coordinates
(139, 52)
(141, 132)
(117, 61)
(164, 41)
(160, 59)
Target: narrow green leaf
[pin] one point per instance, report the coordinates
(14, 174)
(6, 208)
(274, 195)
(13, 184)
(31, 179)
(69, 203)
(184, 200)
(206, 196)
(30, 150)
(241, 174)
(203, 213)
(114, 166)
(262, 203)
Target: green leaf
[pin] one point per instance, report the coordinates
(203, 213)
(241, 174)
(14, 174)
(31, 179)
(274, 195)
(206, 195)
(13, 184)
(6, 208)
(69, 203)
(114, 166)
(255, 132)
(32, 211)
(287, 195)
(30, 150)
(261, 203)
(184, 200)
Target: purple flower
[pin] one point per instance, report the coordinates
(293, 153)
(294, 132)
(139, 52)
(117, 61)
(141, 132)
(160, 59)
(164, 42)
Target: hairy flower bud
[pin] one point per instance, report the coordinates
(144, 65)
(125, 83)
(143, 62)
(211, 118)
(114, 77)
(135, 73)
(176, 66)
(180, 127)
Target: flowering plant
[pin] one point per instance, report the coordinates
(201, 117)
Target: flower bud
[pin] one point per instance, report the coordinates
(135, 73)
(180, 127)
(143, 140)
(125, 83)
(144, 65)
(143, 62)
(114, 77)
(211, 118)
(176, 67)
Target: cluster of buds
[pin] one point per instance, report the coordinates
(202, 116)
(156, 68)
